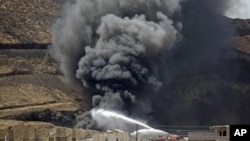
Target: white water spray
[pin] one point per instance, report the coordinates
(114, 120)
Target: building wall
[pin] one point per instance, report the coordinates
(2, 135)
(202, 136)
(68, 134)
(112, 136)
(222, 132)
(36, 133)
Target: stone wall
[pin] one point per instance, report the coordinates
(39, 131)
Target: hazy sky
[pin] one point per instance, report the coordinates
(239, 9)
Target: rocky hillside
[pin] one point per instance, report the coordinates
(27, 21)
(242, 38)
(32, 88)
(31, 85)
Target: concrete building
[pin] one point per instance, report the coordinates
(112, 135)
(6, 134)
(47, 132)
(67, 134)
(2, 135)
(216, 133)
(222, 132)
(201, 136)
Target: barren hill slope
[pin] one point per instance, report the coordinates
(242, 38)
(27, 21)
(31, 85)
(32, 88)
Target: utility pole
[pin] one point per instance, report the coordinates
(136, 132)
(73, 134)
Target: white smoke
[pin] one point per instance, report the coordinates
(146, 134)
(238, 9)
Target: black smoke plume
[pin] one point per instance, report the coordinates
(129, 51)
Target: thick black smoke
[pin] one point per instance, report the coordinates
(111, 45)
(128, 51)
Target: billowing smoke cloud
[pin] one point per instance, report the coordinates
(128, 51)
(83, 23)
(115, 62)
(110, 45)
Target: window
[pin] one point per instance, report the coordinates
(219, 133)
(224, 133)
(61, 139)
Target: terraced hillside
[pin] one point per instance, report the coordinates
(32, 88)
